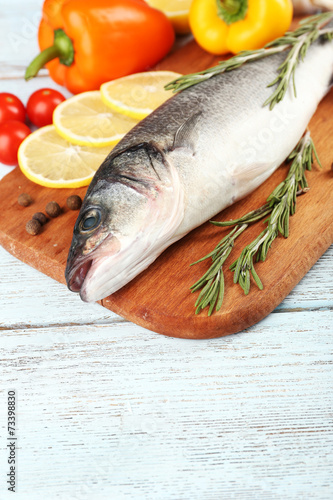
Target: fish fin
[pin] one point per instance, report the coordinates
(247, 173)
(183, 136)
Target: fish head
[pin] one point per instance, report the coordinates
(132, 209)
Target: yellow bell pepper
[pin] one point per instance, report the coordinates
(222, 26)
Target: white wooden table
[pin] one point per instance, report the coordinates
(108, 410)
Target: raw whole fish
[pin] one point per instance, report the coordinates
(198, 153)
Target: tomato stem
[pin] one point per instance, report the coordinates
(231, 11)
(62, 48)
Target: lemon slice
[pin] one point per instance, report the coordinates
(177, 12)
(49, 160)
(139, 94)
(85, 120)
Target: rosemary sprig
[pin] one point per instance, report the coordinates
(281, 204)
(298, 43)
(212, 282)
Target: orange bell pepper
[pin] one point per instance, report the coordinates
(86, 43)
(222, 26)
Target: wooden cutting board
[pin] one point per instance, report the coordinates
(159, 299)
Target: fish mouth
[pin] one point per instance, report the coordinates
(76, 278)
(113, 265)
(108, 273)
(81, 268)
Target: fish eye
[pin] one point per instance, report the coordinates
(90, 220)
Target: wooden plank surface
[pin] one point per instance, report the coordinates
(113, 411)
(159, 298)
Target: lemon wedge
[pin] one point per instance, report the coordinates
(49, 160)
(177, 11)
(85, 120)
(139, 94)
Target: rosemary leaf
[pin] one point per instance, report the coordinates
(250, 217)
(203, 291)
(256, 278)
(221, 293)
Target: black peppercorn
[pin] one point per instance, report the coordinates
(24, 200)
(74, 202)
(40, 217)
(33, 227)
(53, 209)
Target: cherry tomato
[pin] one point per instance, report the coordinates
(12, 134)
(11, 108)
(41, 105)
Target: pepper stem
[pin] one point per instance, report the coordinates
(62, 48)
(231, 11)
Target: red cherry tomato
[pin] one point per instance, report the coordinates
(41, 105)
(11, 108)
(12, 134)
